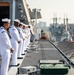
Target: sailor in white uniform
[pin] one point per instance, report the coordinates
(24, 42)
(26, 36)
(20, 49)
(5, 46)
(15, 40)
(29, 34)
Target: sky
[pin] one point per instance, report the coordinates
(52, 8)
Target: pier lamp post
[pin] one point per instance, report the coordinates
(36, 17)
(35, 27)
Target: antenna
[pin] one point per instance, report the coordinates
(55, 19)
(64, 20)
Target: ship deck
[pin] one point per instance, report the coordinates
(44, 51)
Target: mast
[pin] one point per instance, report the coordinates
(28, 15)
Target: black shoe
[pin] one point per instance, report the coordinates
(23, 54)
(20, 58)
(25, 51)
(15, 65)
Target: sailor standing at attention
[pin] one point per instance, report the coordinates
(5, 46)
(15, 40)
(24, 42)
(29, 34)
(26, 36)
(20, 29)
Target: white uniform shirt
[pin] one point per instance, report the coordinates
(29, 32)
(4, 39)
(21, 33)
(26, 32)
(14, 34)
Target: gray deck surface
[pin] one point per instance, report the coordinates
(45, 51)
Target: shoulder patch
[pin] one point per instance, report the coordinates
(1, 27)
(13, 29)
(3, 31)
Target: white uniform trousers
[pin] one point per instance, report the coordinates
(5, 62)
(24, 48)
(20, 48)
(29, 40)
(26, 43)
(14, 55)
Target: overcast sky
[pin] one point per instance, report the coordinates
(51, 8)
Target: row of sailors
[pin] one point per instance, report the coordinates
(16, 44)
